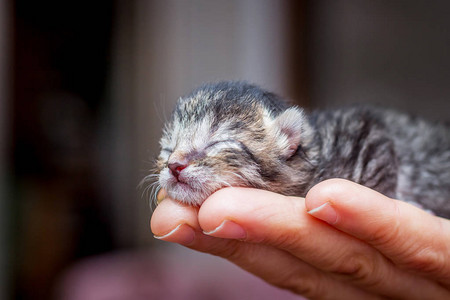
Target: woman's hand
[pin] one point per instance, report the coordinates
(354, 243)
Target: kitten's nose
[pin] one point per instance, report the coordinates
(176, 168)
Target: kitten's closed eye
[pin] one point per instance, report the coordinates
(219, 146)
(217, 142)
(212, 148)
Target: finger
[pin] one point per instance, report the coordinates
(176, 222)
(410, 237)
(282, 222)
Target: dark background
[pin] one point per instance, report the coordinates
(85, 87)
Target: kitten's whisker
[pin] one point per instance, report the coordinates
(148, 188)
(147, 179)
(154, 199)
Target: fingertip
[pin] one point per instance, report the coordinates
(220, 197)
(182, 234)
(392, 226)
(221, 205)
(349, 204)
(171, 213)
(327, 191)
(325, 212)
(228, 230)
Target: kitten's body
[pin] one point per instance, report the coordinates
(235, 134)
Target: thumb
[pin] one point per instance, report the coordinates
(410, 237)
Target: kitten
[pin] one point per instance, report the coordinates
(236, 134)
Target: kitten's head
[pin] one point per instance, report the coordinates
(228, 134)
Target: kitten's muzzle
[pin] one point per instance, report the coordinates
(175, 168)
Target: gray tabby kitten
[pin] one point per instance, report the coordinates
(236, 134)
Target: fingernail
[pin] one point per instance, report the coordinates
(161, 195)
(182, 234)
(228, 230)
(325, 212)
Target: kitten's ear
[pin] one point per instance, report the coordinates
(288, 126)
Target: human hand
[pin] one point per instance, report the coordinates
(370, 246)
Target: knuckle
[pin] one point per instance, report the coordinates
(242, 254)
(289, 239)
(310, 286)
(305, 286)
(428, 260)
(431, 256)
(361, 269)
(388, 232)
(229, 249)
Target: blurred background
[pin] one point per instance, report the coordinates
(86, 85)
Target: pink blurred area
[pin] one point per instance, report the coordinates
(174, 273)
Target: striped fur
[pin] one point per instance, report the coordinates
(236, 134)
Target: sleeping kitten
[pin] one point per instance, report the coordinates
(236, 134)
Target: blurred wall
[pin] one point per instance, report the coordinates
(391, 53)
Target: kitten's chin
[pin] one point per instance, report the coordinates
(186, 194)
